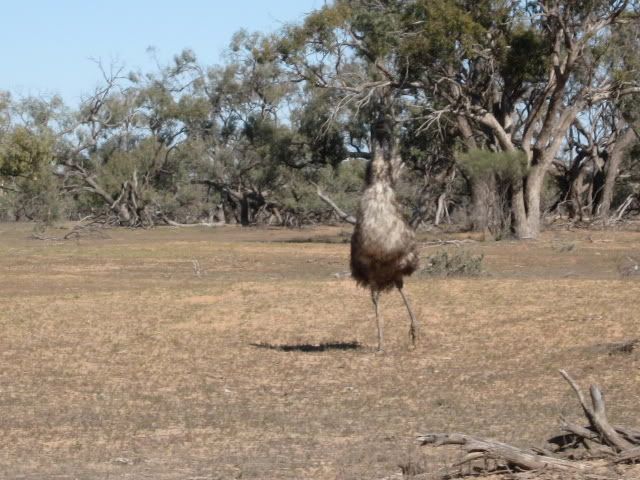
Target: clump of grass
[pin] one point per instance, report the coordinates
(412, 467)
(629, 267)
(460, 263)
(623, 348)
(563, 247)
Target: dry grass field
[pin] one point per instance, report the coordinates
(238, 353)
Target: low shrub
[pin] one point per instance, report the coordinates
(459, 263)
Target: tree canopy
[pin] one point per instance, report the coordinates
(504, 113)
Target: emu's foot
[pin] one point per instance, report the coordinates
(413, 337)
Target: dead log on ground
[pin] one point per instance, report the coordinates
(599, 439)
(511, 456)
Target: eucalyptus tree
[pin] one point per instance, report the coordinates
(622, 152)
(507, 76)
(522, 79)
(602, 136)
(596, 147)
(28, 186)
(625, 126)
(271, 141)
(120, 145)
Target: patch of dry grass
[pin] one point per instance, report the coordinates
(121, 361)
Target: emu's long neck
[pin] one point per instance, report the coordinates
(379, 170)
(385, 160)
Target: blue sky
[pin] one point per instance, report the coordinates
(46, 46)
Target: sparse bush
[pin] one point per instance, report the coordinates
(413, 467)
(563, 247)
(460, 263)
(508, 167)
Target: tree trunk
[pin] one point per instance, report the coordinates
(526, 196)
(534, 194)
(244, 211)
(485, 206)
(519, 211)
(526, 206)
(440, 209)
(611, 172)
(576, 193)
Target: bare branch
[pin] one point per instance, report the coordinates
(341, 213)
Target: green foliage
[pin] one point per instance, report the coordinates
(325, 137)
(24, 152)
(297, 193)
(5, 116)
(39, 197)
(441, 31)
(120, 165)
(343, 184)
(32, 190)
(460, 263)
(527, 58)
(38, 113)
(319, 26)
(377, 27)
(506, 166)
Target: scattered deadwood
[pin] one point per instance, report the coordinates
(88, 227)
(598, 440)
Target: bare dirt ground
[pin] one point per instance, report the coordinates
(193, 353)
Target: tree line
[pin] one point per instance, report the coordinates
(506, 113)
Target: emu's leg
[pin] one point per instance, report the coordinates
(375, 296)
(413, 329)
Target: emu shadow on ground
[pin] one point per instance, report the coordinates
(309, 347)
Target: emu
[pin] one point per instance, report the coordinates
(383, 247)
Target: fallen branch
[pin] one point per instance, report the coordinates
(597, 415)
(344, 216)
(623, 208)
(630, 456)
(599, 438)
(513, 457)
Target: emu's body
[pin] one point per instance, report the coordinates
(383, 248)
